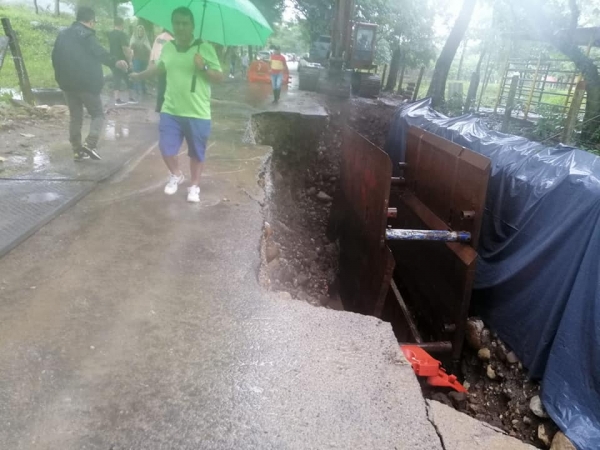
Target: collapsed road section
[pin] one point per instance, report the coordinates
(300, 181)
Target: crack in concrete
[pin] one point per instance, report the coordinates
(431, 421)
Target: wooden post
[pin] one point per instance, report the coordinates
(401, 82)
(543, 88)
(522, 79)
(510, 103)
(418, 86)
(472, 92)
(486, 80)
(3, 49)
(573, 113)
(385, 67)
(572, 83)
(535, 78)
(502, 84)
(18, 59)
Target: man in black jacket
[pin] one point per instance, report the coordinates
(77, 59)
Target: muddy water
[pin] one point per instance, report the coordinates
(42, 147)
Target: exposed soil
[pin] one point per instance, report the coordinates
(499, 391)
(372, 118)
(300, 260)
(301, 182)
(31, 135)
(23, 130)
(303, 176)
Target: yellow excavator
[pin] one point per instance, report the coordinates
(350, 61)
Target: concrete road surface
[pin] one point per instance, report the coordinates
(135, 321)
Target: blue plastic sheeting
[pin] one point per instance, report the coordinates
(538, 276)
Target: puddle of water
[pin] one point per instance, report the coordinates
(42, 197)
(115, 130)
(40, 160)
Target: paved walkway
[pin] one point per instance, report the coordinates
(135, 321)
(51, 181)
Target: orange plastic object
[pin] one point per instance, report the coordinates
(425, 365)
(260, 72)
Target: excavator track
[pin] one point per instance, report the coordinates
(370, 86)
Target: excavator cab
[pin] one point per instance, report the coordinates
(360, 60)
(362, 53)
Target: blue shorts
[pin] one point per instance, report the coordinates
(173, 129)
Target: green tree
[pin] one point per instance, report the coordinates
(555, 22)
(404, 27)
(291, 37)
(316, 16)
(109, 8)
(437, 88)
(405, 30)
(271, 9)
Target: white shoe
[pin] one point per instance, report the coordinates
(194, 194)
(173, 184)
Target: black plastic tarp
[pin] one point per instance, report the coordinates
(537, 282)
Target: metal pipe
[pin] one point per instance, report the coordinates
(427, 235)
(412, 326)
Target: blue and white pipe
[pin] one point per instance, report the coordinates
(427, 235)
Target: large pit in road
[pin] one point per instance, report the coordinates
(300, 181)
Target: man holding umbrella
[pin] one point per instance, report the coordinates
(190, 67)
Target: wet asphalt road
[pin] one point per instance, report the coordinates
(135, 321)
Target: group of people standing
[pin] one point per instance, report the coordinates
(243, 61)
(136, 51)
(184, 67)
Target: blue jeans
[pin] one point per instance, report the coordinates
(277, 80)
(139, 66)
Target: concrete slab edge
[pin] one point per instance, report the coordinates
(47, 218)
(459, 431)
(28, 232)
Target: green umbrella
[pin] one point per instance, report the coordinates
(225, 22)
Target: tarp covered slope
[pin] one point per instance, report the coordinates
(538, 275)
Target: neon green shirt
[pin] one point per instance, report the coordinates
(180, 68)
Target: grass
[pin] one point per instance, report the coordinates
(36, 44)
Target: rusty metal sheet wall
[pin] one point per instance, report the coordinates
(448, 179)
(366, 264)
(445, 189)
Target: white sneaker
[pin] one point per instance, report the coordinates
(194, 194)
(173, 184)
